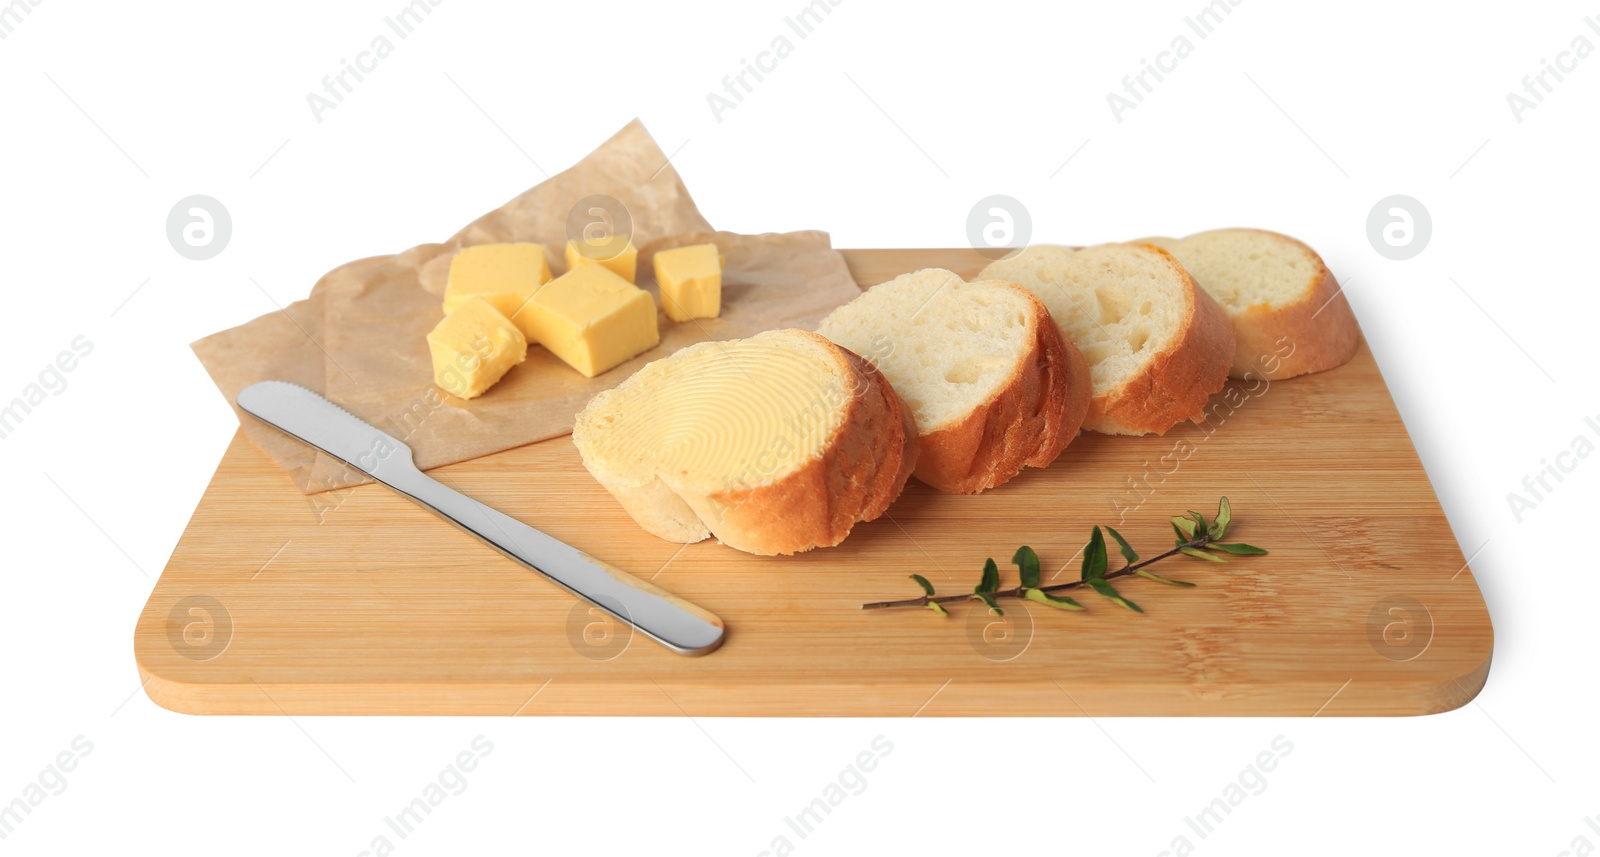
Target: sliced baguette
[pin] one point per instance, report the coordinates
(982, 366)
(1289, 316)
(1157, 345)
(774, 444)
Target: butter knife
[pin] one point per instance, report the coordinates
(671, 621)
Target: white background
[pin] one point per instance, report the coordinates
(883, 127)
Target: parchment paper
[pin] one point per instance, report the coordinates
(359, 339)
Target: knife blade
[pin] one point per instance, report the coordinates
(679, 625)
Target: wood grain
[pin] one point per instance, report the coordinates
(359, 602)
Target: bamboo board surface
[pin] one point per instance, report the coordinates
(360, 602)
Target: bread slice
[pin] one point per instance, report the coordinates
(1289, 316)
(982, 366)
(1158, 346)
(774, 444)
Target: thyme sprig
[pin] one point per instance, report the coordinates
(1195, 538)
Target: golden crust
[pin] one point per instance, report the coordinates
(1176, 384)
(1313, 334)
(1028, 421)
(863, 469)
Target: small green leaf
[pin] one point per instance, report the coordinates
(988, 599)
(1158, 578)
(1122, 544)
(1200, 522)
(1200, 554)
(1094, 556)
(1043, 597)
(1184, 526)
(1027, 565)
(1104, 588)
(1238, 548)
(927, 588)
(1219, 527)
(938, 608)
(991, 577)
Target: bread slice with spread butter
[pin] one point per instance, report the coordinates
(774, 444)
(982, 367)
(1158, 346)
(1289, 315)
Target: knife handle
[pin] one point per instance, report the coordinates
(679, 625)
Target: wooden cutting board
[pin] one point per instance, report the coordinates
(362, 603)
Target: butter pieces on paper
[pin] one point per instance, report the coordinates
(505, 275)
(474, 347)
(623, 262)
(592, 319)
(691, 281)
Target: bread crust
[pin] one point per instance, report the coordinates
(1315, 333)
(1027, 422)
(1176, 384)
(863, 468)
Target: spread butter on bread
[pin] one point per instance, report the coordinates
(774, 444)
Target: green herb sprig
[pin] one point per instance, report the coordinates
(1195, 538)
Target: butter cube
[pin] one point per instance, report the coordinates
(624, 264)
(505, 275)
(592, 319)
(473, 347)
(691, 281)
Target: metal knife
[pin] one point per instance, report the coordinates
(671, 621)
